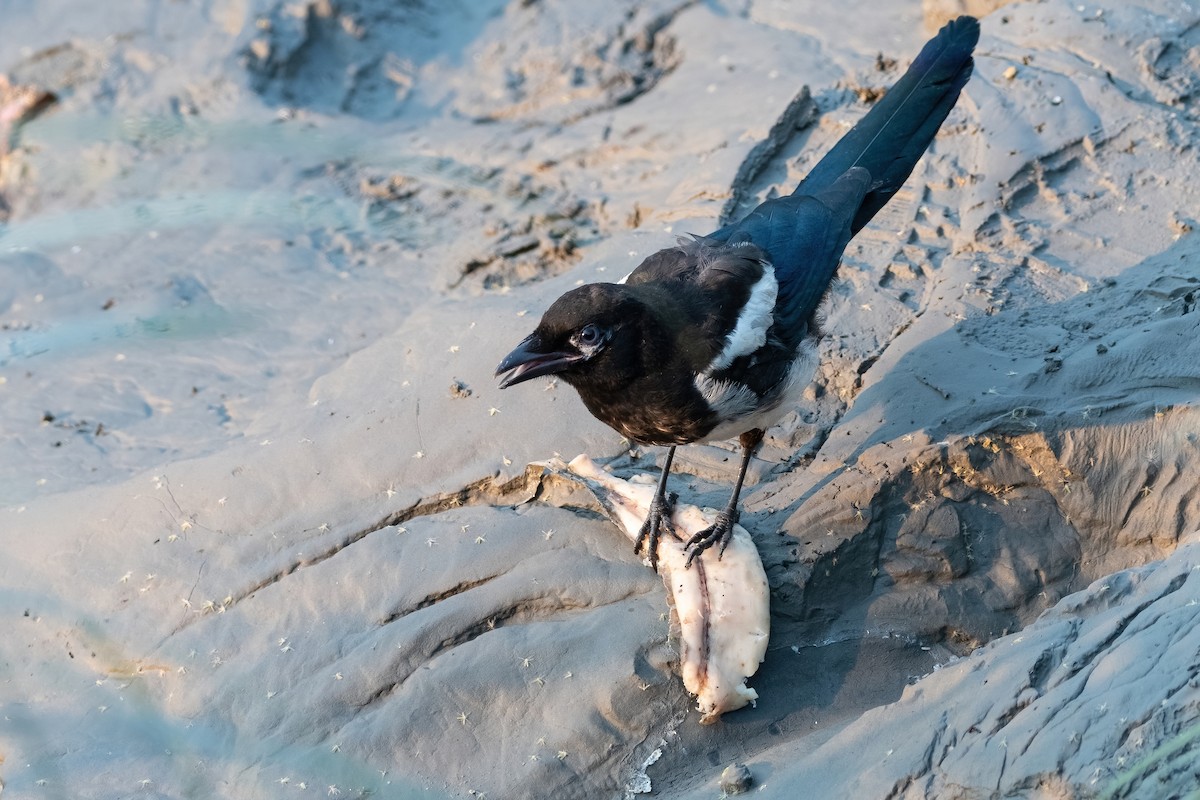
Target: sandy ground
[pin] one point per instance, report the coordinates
(266, 527)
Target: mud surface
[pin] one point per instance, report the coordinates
(265, 522)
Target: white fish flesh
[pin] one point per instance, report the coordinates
(722, 605)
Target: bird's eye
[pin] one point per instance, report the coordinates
(589, 335)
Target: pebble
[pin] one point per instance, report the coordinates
(736, 779)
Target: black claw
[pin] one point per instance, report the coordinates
(720, 531)
(658, 519)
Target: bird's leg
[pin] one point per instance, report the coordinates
(659, 515)
(722, 530)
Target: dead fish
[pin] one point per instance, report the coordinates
(722, 604)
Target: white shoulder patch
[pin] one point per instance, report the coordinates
(755, 318)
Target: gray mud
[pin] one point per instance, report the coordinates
(266, 525)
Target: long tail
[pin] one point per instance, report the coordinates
(805, 233)
(891, 138)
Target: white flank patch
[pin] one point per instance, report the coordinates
(729, 400)
(627, 274)
(750, 332)
(725, 398)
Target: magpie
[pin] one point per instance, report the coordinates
(716, 337)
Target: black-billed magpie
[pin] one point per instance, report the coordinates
(715, 337)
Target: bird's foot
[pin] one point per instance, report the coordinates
(720, 531)
(658, 519)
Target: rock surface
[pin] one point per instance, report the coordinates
(265, 524)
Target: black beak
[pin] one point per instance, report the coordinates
(527, 362)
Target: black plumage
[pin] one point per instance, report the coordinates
(712, 338)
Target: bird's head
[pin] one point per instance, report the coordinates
(584, 335)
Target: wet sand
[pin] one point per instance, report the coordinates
(265, 520)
